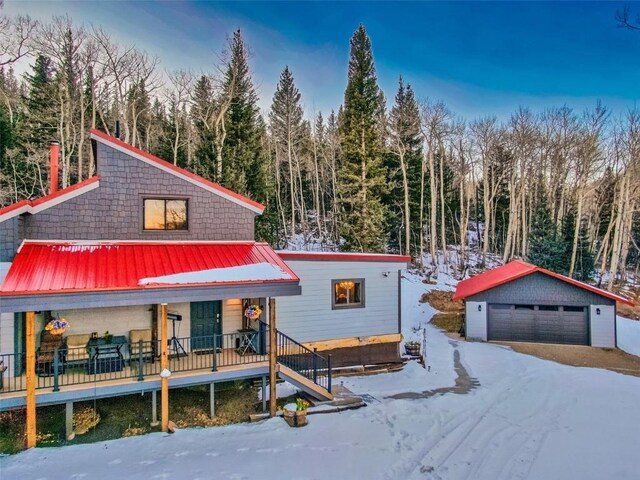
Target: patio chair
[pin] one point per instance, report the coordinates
(46, 353)
(135, 336)
(77, 348)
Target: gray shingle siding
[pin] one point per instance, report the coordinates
(540, 289)
(11, 235)
(114, 210)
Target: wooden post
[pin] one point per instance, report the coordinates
(31, 379)
(212, 399)
(264, 393)
(69, 421)
(164, 364)
(273, 353)
(154, 408)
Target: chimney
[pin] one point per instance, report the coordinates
(54, 152)
(118, 129)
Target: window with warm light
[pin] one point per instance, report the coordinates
(348, 293)
(165, 214)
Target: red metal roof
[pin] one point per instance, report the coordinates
(518, 269)
(83, 266)
(343, 256)
(42, 202)
(179, 171)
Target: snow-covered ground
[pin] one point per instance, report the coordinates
(628, 335)
(527, 419)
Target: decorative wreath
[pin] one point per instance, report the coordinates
(253, 312)
(56, 326)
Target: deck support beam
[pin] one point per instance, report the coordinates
(264, 393)
(273, 353)
(31, 379)
(212, 399)
(154, 408)
(68, 417)
(164, 365)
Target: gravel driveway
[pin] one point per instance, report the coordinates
(581, 356)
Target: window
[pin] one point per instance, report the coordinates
(348, 293)
(500, 306)
(548, 308)
(573, 309)
(524, 307)
(165, 214)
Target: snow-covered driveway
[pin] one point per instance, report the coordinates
(528, 418)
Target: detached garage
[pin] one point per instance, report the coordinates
(524, 303)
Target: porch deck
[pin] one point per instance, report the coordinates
(74, 382)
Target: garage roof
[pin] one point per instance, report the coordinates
(518, 269)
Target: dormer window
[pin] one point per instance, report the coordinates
(165, 214)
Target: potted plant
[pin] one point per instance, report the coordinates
(295, 414)
(412, 347)
(108, 337)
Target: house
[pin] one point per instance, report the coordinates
(525, 303)
(349, 307)
(161, 284)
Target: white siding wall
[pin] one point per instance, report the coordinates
(231, 315)
(309, 317)
(476, 328)
(603, 326)
(116, 320)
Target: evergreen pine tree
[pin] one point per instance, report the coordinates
(287, 129)
(405, 154)
(362, 179)
(201, 114)
(242, 153)
(40, 102)
(546, 248)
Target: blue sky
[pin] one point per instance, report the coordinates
(480, 58)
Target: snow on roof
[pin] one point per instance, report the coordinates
(245, 273)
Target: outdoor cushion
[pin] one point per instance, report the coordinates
(48, 344)
(77, 347)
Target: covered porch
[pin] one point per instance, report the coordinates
(86, 279)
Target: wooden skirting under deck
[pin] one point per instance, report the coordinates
(354, 342)
(373, 350)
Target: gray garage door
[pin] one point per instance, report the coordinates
(533, 323)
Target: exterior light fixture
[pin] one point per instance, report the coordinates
(165, 373)
(597, 311)
(479, 307)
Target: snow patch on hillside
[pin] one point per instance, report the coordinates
(628, 335)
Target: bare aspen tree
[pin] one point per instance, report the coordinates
(16, 35)
(434, 128)
(177, 95)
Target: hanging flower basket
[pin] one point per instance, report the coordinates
(253, 312)
(56, 326)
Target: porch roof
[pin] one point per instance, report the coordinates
(109, 273)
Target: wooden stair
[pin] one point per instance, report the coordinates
(303, 383)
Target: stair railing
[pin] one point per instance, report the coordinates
(302, 360)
